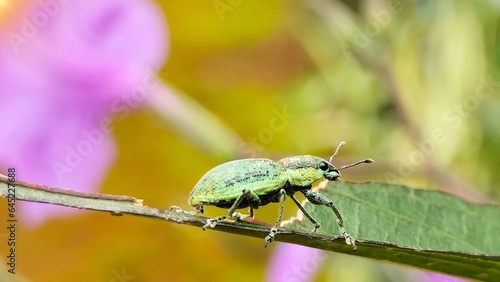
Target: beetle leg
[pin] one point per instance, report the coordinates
(318, 199)
(311, 219)
(213, 221)
(253, 202)
(274, 230)
(253, 199)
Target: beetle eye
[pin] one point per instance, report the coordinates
(323, 166)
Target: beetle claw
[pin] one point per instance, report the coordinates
(349, 240)
(270, 238)
(213, 222)
(205, 226)
(210, 223)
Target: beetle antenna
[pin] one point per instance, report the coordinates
(367, 161)
(337, 151)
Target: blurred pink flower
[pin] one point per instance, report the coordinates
(294, 263)
(66, 68)
(437, 277)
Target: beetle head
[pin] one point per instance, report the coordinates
(304, 170)
(330, 172)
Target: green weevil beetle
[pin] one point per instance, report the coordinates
(257, 182)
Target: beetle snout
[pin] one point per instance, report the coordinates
(332, 175)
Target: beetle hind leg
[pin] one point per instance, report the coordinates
(254, 202)
(214, 221)
(274, 230)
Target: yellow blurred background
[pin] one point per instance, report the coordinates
(397, 80)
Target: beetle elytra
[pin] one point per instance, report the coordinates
(258, 182)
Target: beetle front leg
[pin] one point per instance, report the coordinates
(274, 230)
(318, 199)
(311, 219)
(213, 221)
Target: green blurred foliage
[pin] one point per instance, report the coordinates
(332, 67)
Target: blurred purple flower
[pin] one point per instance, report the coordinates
(294, 263)
(66, 67)
(436, 277)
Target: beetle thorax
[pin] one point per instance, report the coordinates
(302, 171)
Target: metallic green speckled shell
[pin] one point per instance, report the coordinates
(225, 183)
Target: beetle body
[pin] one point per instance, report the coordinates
(258, 182)
(222, 185)
(264, 178)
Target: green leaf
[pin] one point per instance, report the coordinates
(426, 229)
